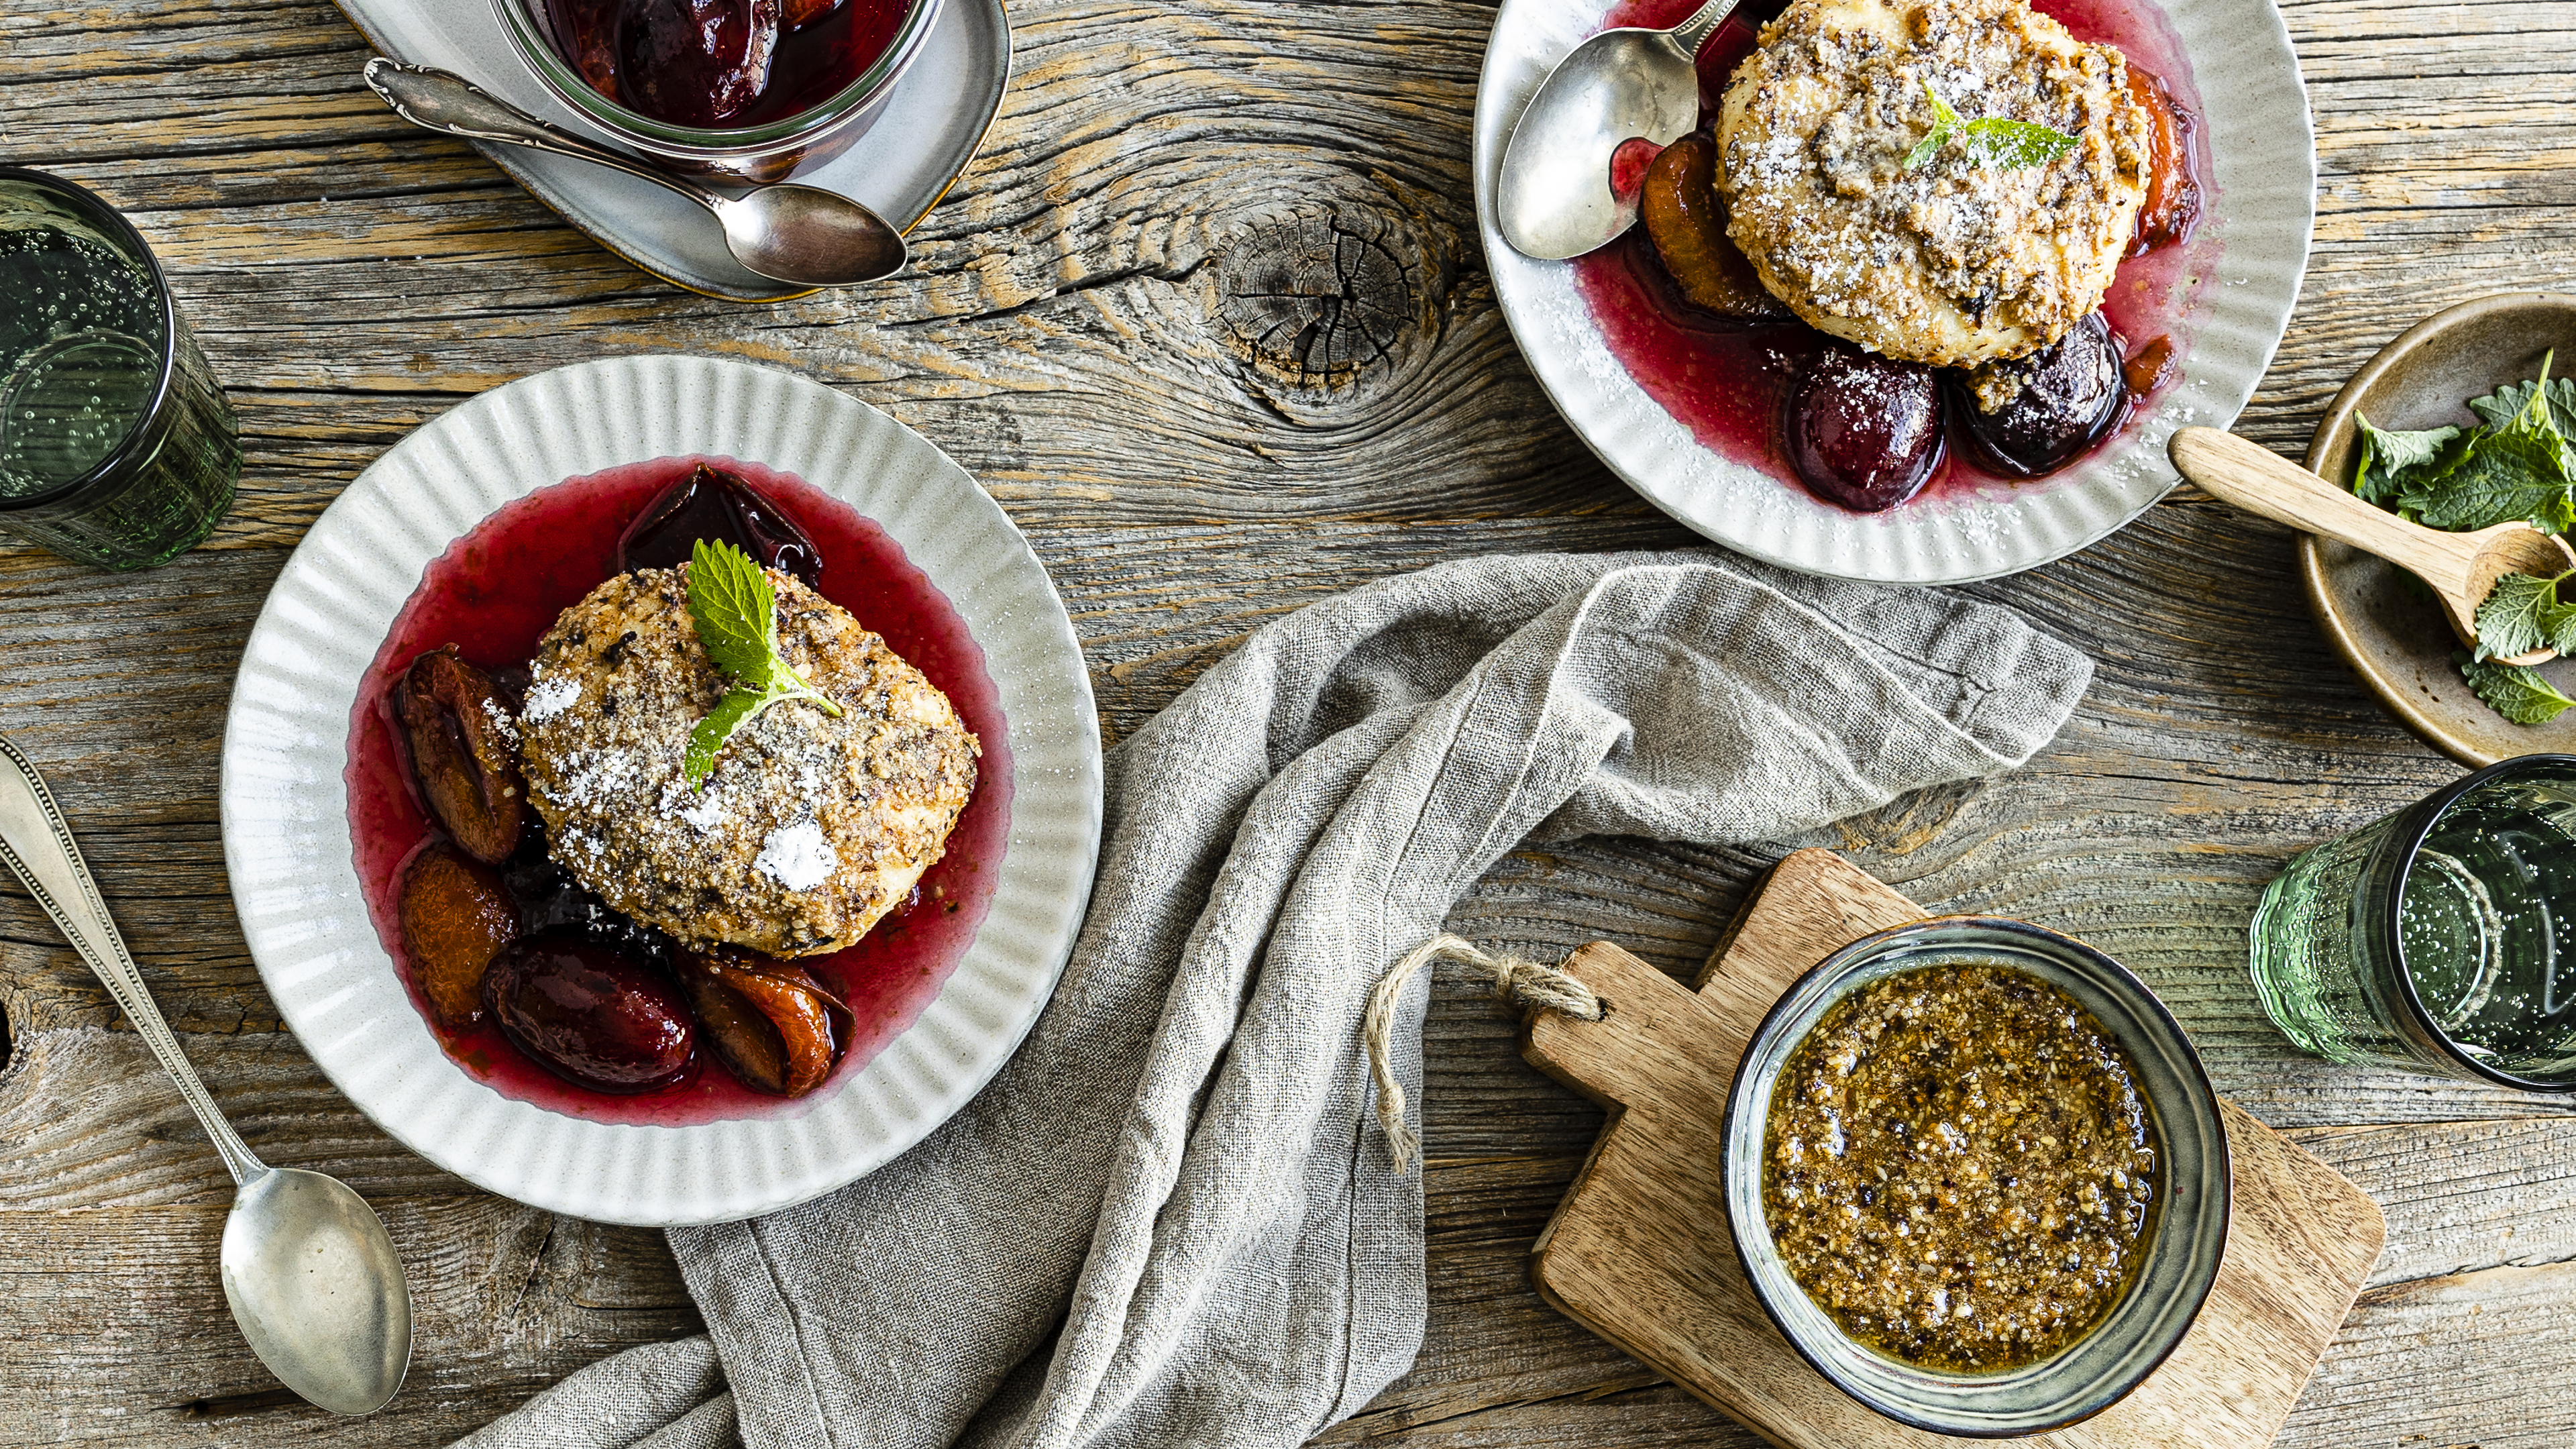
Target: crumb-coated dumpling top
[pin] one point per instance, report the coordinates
(809, 829)
(1951, 263)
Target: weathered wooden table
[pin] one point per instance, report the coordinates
(1208, 317)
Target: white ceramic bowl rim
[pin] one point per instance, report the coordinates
(284, 803)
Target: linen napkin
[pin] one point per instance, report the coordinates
(1171, 1219)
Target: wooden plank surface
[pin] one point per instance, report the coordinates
(1080, 330)
(1639, 1250)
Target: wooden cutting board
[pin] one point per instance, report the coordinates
(1639, 1252)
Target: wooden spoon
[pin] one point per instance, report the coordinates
(2462, 568)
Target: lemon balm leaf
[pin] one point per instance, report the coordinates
(2001, 145)
(2517, 693)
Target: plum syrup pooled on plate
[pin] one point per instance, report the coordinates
(722, 64)
(532, 979)
(1853, 281)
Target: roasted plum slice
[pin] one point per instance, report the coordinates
(464, 753)
(1863, 431)
(2036, 414)
(455, 918)
(770, 1021)
(590, 1015)
(1686, 221)
(695, 62)
(2173, 200)
(719, 507)
(586, 37)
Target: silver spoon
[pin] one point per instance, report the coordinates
(1555, 199)
(312, 1278)
(801, 235)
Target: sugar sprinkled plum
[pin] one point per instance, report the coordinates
(464, 753)
(591, 1016)
(1864, 431)
(2036, 414)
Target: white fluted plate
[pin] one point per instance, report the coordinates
(2252, 247)
(286, 818)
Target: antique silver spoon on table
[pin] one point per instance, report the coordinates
(1554, 197)
(802, 235)
(312, 1278)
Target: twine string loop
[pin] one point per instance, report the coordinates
(1525, 983)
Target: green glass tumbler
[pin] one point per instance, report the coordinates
(117, 446)
(2441, 938)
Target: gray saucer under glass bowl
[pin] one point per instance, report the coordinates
(2383, 624)
(921, 136)
(2184, 1245)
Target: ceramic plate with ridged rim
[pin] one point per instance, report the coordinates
(286, 818)
(2263, 164)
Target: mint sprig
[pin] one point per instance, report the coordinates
(2517, 693)
(2517, 464)
(1991, 142)
(735, 612)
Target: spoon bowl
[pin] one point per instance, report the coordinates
(1556, 196)
(317, 1289)
(2460, 568)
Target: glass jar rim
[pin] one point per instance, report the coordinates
(139, 434)
(2399, 852)
(537, 51)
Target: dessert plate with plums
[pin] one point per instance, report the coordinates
(882, 101)
(1927, 289)
(661, 789)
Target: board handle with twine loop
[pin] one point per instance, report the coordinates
(1524, 983)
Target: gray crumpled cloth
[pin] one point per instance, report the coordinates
(1171, 1219)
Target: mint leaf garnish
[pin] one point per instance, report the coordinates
(735, 612)
(2545, 399)
(2518, 694)
(2390, 460)
(2504, 477)
(2000, 145)
(1992, 142)
(2523, 612)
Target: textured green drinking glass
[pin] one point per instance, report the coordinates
(2441, 938)
(117, 446)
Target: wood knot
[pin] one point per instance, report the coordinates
(1326, 304)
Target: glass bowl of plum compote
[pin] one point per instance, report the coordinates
(744, 90)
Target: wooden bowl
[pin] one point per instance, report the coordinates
(2383, 623)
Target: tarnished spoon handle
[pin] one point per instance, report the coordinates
(437, 100)
(1693, 33)
(37, 845)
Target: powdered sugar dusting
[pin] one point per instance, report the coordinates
(550, 697)
(797, 856)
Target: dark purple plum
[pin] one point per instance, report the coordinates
(1864, 431)
(715, 505)
(589, 1015)
(2049, 407)
(695, 62)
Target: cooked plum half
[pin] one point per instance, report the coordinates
(720, 507)
(801, 13)
(1864, 431)
(464, 753)
(2173, 201)
(1686, 221)
(586, 37)
(2036, 414)
(771, 1021)
(455, 918)
(589, 1015)
(695, 62)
